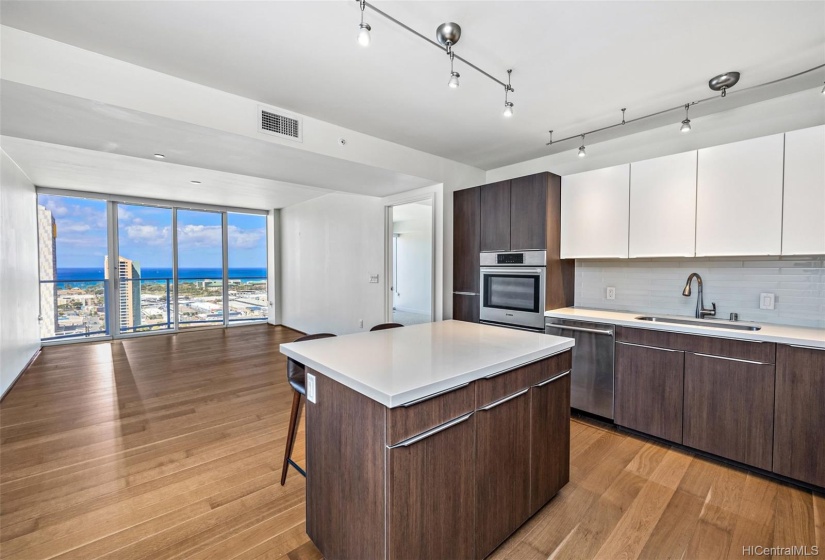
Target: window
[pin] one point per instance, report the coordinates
(248, 300)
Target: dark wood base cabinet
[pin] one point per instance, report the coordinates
(449, 477)
(466, 307)
(799, 421)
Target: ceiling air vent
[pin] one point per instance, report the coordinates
(280, 123)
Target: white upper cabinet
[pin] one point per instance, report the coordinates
(803, 224)
(739, 198)
(594, 213)
(663, 206)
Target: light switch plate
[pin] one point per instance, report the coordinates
(373, 279)
(310, 388)
(767, 301)
(610, 293)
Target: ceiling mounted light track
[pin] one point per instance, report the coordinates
(447, 35)
(722, 83)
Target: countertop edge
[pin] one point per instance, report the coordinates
(607, 316)
(392, 401)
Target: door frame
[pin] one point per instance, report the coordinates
(388, 251)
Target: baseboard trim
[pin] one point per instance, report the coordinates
(290, 328)
(22, 371)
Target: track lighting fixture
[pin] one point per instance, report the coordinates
(582, 153)
(454, 76)
(364, 29)
(508, 106)
(447, 35)
(686, 122)
(823, 90)
(723, 82)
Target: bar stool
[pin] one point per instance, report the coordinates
(296, 375)
(384, 326)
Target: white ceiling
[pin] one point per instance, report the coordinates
(277, 172)
(574, 63)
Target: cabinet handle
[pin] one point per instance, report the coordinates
(732, 359)
(806, 347)
(434, 395)
(651, 347)
(465, 293)
(428, 433)
(546, 381)
(608, 332)
(504, 400)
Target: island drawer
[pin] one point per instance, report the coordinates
(419, 416)
(500, 385)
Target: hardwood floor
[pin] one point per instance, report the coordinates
(171, 447)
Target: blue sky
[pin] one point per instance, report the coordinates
(145, 235)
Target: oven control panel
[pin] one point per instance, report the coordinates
(510, 258)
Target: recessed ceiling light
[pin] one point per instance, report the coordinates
(195, 182)
(160, 156)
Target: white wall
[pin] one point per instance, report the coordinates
(329, 248)
(19, 294)
(273, 263)
(414, 258)
(655, 286)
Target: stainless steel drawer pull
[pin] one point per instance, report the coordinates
(428, 433)
(651, 347)
(465, 293)
(504, 400)
(434, 395)
(733, 359)
(579, 329)
(807, 347)
(546, 381)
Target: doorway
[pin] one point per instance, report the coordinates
(411, 262)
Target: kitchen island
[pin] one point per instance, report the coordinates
(432, 441)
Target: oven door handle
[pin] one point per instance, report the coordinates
(512, 270)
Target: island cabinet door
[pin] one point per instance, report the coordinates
(549, 439)
(431, 494)
(502, 469)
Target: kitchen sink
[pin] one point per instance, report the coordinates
(716, 323)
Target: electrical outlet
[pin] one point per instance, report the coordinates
(610, 293)
(373, 279)
(767, 301)
(310, 388)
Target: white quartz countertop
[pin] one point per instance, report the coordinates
(396, 366)
(782, 334)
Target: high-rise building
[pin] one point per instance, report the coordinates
(128, 271)
(47, 256)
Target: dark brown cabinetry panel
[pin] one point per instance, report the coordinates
(549, 439)
(728, 408)
(528, 213)
(649, 390)
(431, 488)
(495, 217)
(502, 471)
(407, 421)
(560, 272)
(764, 352)
(798, 448)
(466, 307)
(466, 239)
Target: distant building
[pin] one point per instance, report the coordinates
(128, 271)
(47, 252)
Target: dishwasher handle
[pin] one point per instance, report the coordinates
(608, 332)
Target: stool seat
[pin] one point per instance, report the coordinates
(296, 371)
(384, 326)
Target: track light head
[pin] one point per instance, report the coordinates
(686, 123)
(453, 83)
(364, 29)
(823, 90)
(508, 108)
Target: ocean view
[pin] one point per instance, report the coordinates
(95, 274)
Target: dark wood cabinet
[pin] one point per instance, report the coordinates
(466, 240)
(466, 307)
(798, 449)
(502, 470)
(528, 213)
(431, 484)
(549, 438)
(729, 408)
(649, 390)
(495, 216)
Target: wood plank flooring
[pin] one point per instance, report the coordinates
(171, 446)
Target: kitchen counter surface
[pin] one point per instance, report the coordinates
(782, 334)
(396, 366)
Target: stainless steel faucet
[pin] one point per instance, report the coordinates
(701, 312)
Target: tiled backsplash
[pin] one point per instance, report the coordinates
(655, 286)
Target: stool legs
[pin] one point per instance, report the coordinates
(290, 438)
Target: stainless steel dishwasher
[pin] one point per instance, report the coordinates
(592, 374)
